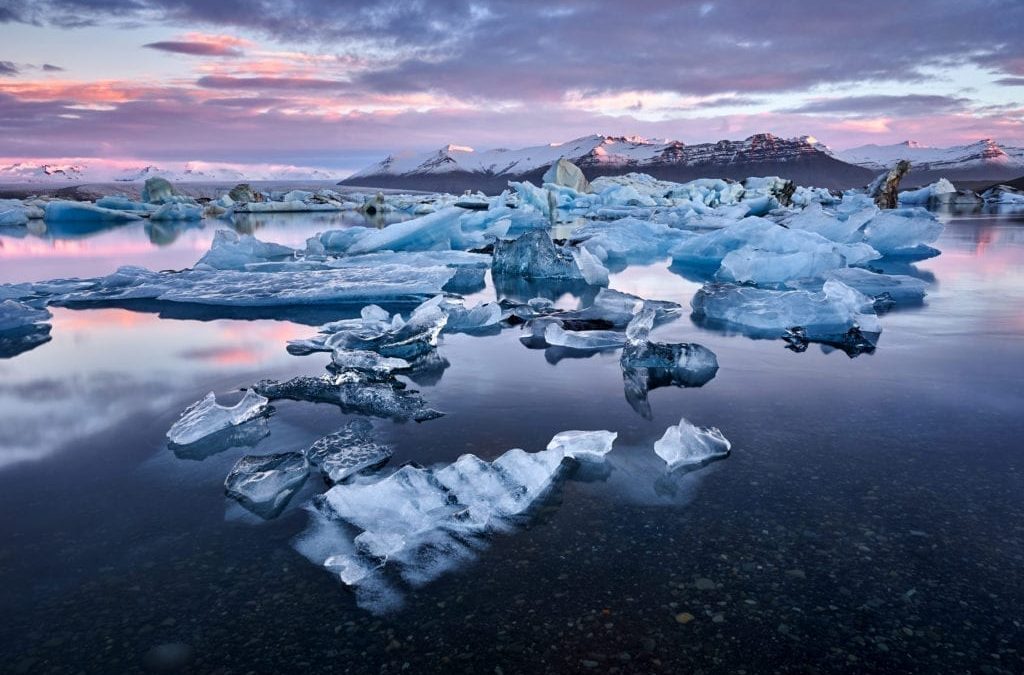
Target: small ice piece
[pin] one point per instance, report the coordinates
(367, 362)
(354, 394)
(687, 445)
(583, 445)
(246, 435)
(177, 211)
(348, 451)
(896, 288)
(591, 269)
(15, 315)
(617, 309)
(59, 211)
(233, 251)
(207, 416)
(465, 319)
(404, 340)
(694, 364)
(264, 483)
(556, 336)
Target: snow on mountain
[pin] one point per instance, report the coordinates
(25, 172)
(29, 172)
(985, 153)
(594, 151)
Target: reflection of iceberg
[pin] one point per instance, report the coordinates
(22, 328)
(245, 435)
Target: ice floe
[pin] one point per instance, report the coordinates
(265, 483)
(687, 445)
(206, 417)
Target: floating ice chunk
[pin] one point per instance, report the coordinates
(711, 248)
(348, 451)
(591, 269)
(468, 319)
(16, 315)
(556, 336)
(899, 232)
(157, 190)
(617, 309)
(264, 483)
(755, 266)
(896, 288)
(59, 211)
(629, 239)
(247, 435)
(420, 519)
(172, 211)
(836, 314)
(257, 289)
(1004, 195)
(583, 445)
(13, 216)
(119, 203)
(233, 251)
(367, 362)
(436, 231)
(936, 192)
(687, 445)
(842, 228)
(354, 394)
(534, 256)
(207, 416)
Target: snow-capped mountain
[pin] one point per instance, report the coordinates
(984, 159)
(28, 172)
(24, 172)
(456, 167)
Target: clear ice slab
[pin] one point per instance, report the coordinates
(265, 483)
(348, 451)
(687, 445)
(206, 417)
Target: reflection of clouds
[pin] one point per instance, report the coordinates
(40, 416)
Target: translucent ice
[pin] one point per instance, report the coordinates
(687, 445)
(534, 256)
(369, 363)
(896, 288)
(556, 336)
(207, 416)
(178, 211)
(348, 451)
(836, 314)
(902, 232)
(58, 211)
(583, 445)
(265, 483)
(233, 251)
(16, 315)
(354, 394)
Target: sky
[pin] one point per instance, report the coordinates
(338, 85)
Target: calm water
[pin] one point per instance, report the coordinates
(870, 518)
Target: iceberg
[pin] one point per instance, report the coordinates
(837, 314)
(422, 520)
(565, 173)
(347, 452)
(533, 255)
(630, 240)
(16, 315)
(254, 289)
(894, 288)
(157, 190)
(59, 211)
(119, 203)
(903, 232)
(937, 192)
(233, 251)
(206, 417)
(687, 445)
(265, 483)
(354, 394)
(173, 211)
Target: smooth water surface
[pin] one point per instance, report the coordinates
(869, 519)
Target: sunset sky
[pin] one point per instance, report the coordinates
(338, 85)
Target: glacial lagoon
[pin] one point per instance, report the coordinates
(867, 517)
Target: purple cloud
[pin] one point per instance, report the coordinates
(195, 48)
(7, 69)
